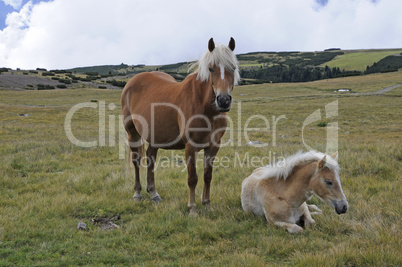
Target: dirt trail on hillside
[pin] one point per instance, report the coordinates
(380, 91)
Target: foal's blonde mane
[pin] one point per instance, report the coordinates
(220, 56)
(283, 168)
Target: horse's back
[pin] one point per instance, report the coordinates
(257, 189)
(157, 85)
(146, 80)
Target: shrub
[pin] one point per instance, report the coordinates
(322, 124)
(48, 73)
(117, 83)
(3, 70)
(66, 81)
(45, 87)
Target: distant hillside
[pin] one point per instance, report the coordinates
(360, 59)
(294, 66)
(387, 64)
(311, 66)
(256, 67)
(103, 70)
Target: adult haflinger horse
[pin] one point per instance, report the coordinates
(280, 192)
(188, 115)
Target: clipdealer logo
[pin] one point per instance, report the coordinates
(111, 130)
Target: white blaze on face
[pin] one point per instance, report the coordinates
(222, 71)
(339, 182)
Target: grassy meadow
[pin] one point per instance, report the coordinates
(48, 184)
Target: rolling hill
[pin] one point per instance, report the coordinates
(255, 68)
(293, 66)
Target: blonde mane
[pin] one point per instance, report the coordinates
(283, 168)
(221, 56)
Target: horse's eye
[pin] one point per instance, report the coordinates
(328, 182)
(211, 69)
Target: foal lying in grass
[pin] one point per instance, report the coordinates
(280, 191)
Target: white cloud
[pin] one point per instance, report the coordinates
(70, 33)
(14, 33)
(16, 4)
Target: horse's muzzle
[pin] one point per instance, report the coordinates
(341, 206)
(224, 102)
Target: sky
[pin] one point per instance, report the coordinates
(61, 34)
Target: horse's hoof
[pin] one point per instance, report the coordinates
(206, 202)
(156, 199)
(193, 213)
(137, 199)
(309, 222)
(295, 229)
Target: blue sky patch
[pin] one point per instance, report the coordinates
(6, 9)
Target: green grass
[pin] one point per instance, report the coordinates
(355, 60)
(47, 185)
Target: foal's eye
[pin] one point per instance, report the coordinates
(328, 182)
(211, 70)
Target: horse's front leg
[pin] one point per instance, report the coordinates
(290, 227)
(209, 157)
(279, 212)
(191, 154)
(308, 220)
(151, 158)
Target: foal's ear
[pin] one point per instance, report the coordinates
(321, 163)
(232, 44)
(335, 156)
(211, 45)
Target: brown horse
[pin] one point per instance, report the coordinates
(188, 115)
(280, 192)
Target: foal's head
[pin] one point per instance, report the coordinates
(327, 185)
(219, 67)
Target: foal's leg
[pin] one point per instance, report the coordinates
(290, 227)
(278, 211)
(209, 156)
(314, 209)
(307, 215)
(191, 153)
(151, 158)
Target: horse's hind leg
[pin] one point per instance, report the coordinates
(136, 147)
(151, 158)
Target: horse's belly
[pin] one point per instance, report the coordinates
(162, 136)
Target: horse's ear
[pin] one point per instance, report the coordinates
(321, 163)
(232, 44)
(211, 45)
(335, 156)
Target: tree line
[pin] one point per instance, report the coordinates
(294, 73)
